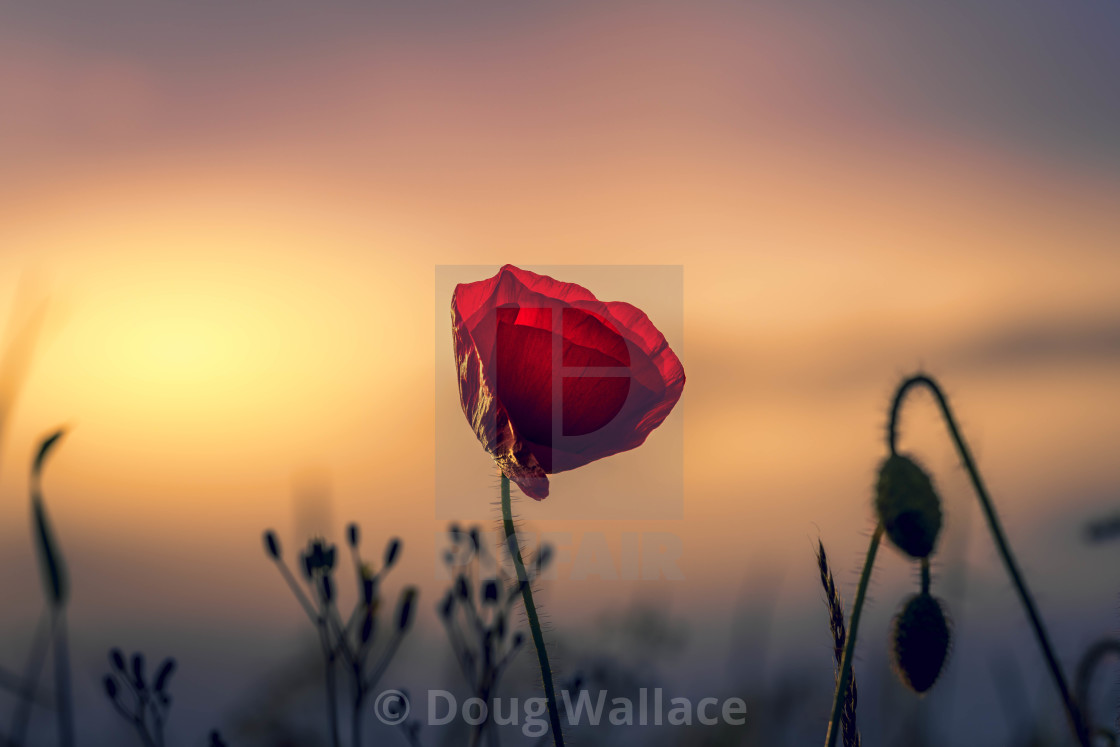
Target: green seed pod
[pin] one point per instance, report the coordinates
(908, 506)
(919, 642)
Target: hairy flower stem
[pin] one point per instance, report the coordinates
(531, 614)
(1072, 711)
(845, 674)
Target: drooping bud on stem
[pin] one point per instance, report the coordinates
(919, 642)
(908, 506)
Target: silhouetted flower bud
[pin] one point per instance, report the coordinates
(165, 671)
(272, 545)
(455, 533)
(404, 609)
(490, 592)
(447, 606)
(518, 639)
(138, 670)
(392, 550)
(462, 588)
(352, 534)
(110, 687)
(544, 556)
(116, 658)
(908, 506)
(319, 557)
(919, 642)
(369, 584)
(475, 544)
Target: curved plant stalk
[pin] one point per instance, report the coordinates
(57, 587)
(531, 614)
(845, 674)
(1071, 707)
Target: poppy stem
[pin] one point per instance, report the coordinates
(531, 614)
(844, 676)
(1072, 711)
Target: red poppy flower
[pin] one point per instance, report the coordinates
(551, 378)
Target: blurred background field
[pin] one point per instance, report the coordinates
(235, 212)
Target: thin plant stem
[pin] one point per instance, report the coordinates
(137, 721)
(62, 680)
(1071, 707)
(298, 592)
(32, 670)
(356, 719)
(332, 699)
(332, 696)
(845, 674)
(383, 663)
(487, 726)
(158, 725)
(15, 685)
(531, 614)
(491, 725)
(329, 659)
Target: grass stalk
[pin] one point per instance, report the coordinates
(839, 630)
(531, 614)
(62, 680)
(32, 670)
(1073, 712)
(332, 697)
(845, 675)
(356, 720)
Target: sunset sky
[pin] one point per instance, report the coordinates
(236, 213)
